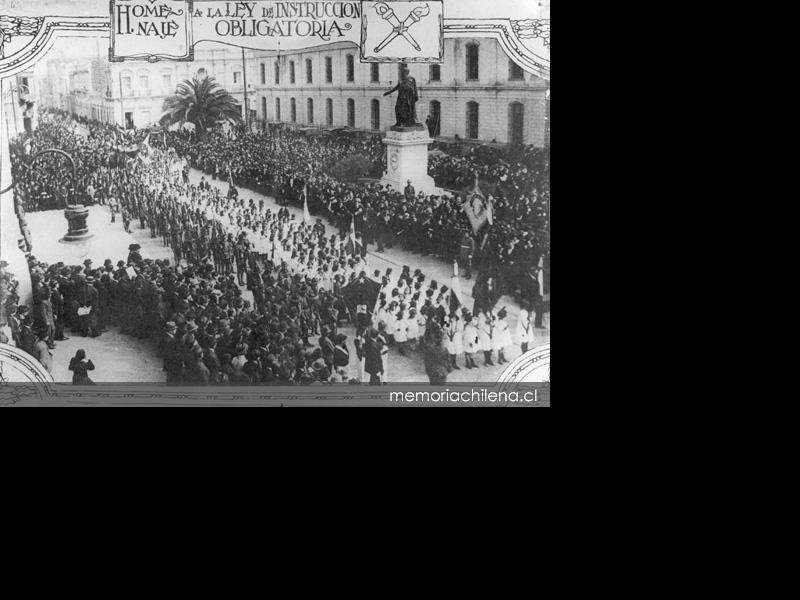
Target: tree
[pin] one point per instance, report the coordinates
(202, 102)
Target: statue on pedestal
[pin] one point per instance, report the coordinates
(407, 97)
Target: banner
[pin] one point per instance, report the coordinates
(478, 209)
(386, 31)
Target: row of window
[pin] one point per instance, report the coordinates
(515, 72)
(126, 80)
(516, 115)
(435, 74)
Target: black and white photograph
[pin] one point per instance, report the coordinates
(267, 203)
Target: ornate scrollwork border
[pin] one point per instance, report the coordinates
(532, 55)
(44, 38)
(509, 33)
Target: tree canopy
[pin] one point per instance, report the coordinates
(202, 102)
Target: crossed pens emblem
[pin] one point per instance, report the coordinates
(400, 28)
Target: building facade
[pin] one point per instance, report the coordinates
(21, 103)
(477, 94)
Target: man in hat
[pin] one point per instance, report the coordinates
(173, 364)
(410, 193)
(327, 346)
(134, 257)
(57, 302)
(85, 304)
(375, 347)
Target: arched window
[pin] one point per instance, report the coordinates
(329, 111)
(516, 123)
(277, 74)
(291, 72)
(351, 69)
(293, 110)
(376, 114)
(278, 110)
(435, 128)
(202, 73)
(237, 78)
(309, 71)
(328, 69)
(263, 74)
(351, 113)
(310, 110)
(144, 80)
(515, 72)
(472, 120)
(473, 67)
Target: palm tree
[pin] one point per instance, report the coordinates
(202, 102)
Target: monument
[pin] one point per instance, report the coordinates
(407, 142)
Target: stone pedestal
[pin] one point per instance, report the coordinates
(407, 159)
(76, 216)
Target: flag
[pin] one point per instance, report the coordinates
(361, 292)
(306, 214)
(354, 245)
(455, 292)
(478, 208)
(146, 151)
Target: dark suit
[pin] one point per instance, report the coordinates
(373, 362)
(87, 296)
(57, 302)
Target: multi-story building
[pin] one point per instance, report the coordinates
(20, 100)
(477, 94)
(54, 83)
(132, 94)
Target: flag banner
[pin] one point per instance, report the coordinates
(361, 292)
(353, 245)
(455, 294)
(306, 213)
(478, 209)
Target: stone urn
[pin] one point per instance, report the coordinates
(76, 216)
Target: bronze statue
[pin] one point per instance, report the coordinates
(406, 108)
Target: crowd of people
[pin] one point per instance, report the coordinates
(208, 333)
(293, 168)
